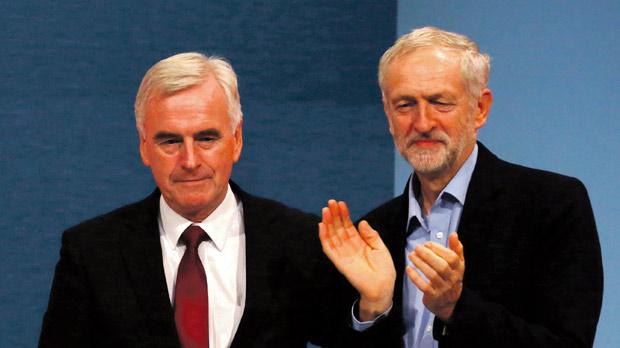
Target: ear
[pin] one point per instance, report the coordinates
(483, 107)
(143, 151)
(238, 141)
(386, 110)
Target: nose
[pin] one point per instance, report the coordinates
(423, 120)
(188, 156)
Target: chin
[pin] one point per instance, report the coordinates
(197, 202)
(195, 211)
(428, 165)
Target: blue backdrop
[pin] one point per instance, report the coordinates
(69, 72)
(555, 76)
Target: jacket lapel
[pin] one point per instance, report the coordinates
(255, 219)
(398, 222)
(390, 220)
(141, 251)
(479, 218)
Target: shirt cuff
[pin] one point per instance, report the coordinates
(363, 325)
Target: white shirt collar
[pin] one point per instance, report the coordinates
(218, 225)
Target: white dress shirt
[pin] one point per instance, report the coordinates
(223, 258)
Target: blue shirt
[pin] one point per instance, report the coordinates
(442, 219)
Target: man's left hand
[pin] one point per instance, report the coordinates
(444, 269)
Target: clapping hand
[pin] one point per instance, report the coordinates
(360, 255)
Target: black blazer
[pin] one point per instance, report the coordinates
(109, 289)
(533, 270)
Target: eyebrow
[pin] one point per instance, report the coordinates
(430, 97)
(208, 133)
(403, 98)
(165, 135)
(436, 96)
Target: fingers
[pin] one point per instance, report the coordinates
(440, 265)
(340, 218)
(338, 232)
(329, 231)
(324, 237)
(432, 264)
(438, 272)
(349, 228)
(326, 242)
(327, 222)
(455, 245)
(334, 210)
(370, 236)
(439, 256)
(344, 214)
(424, 267)
(442, 285)
(417, 279)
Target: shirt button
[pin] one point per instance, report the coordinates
(429, 328)
(439, 235)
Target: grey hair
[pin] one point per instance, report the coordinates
(185, 70)
(475, 66)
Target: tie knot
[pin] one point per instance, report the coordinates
(193, 236)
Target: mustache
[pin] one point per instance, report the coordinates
(432, 135)
(183, 177)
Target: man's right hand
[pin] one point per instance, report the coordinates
(361, 257)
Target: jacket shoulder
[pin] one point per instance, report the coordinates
(539, 182)
(108, 225)
(386, 209)
(269, 211)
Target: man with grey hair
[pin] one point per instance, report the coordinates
(524, 269)
(198, 263)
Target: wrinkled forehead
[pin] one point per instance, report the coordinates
(202, 102)
(429, 57)
(428, 65)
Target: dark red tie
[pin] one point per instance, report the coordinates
(191, 297)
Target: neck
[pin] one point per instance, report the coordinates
(430, 188)
(431, 185)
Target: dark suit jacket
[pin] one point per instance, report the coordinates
(109, 288)
(533, 271)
